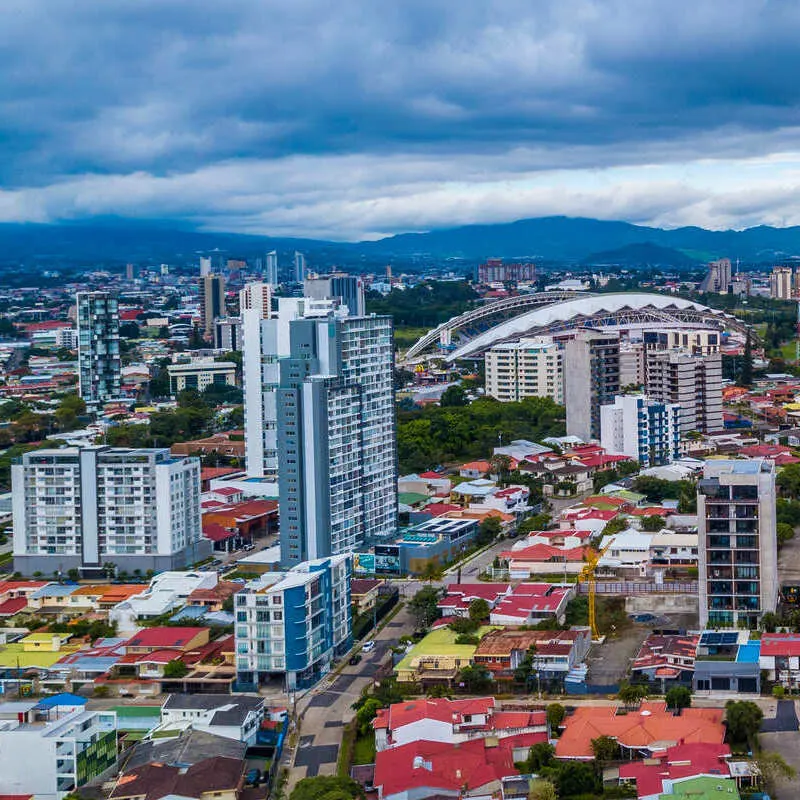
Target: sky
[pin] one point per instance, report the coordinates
(358, 119)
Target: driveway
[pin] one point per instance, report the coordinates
(784, 721)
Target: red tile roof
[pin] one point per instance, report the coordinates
(208, 473)
(437, 509)
(651, 725)
(780, 644)
(544, 552)
(476, 466)
(681, 761)
(432, 475)
(216, 532)
(164, 637)
(13, 606)
(432, 766)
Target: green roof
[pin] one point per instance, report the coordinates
(441, 642)
(12, 656)
(704, 788)
(411, 498)
(631, 497)
(137, 711)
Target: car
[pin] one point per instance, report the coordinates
(368, 647)
(355, 658)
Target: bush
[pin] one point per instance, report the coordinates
(101, 691)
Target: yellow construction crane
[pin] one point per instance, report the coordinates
(587, 576)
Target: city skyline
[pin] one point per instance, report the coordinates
(414, 118)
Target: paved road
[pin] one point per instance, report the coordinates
(323, 712)
(785, 719)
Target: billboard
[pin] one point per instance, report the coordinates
(363, 563)
(387, 559)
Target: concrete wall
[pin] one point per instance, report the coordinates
(662, 604)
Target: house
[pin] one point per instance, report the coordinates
(218, 777)
(167, 591)
(425, 769)
(780, 657)
(679, 762)
(459, 596)
(530, 603)
(214, 597)
(542, 559)
(102, 596)
(181, 640)
(666, 658)
(364, 593)
(437, 659)
(727, 661)
(502, 651)
(232, 716)
(452, 721)
(474, 469)
(647, 732)
(626, 553)
(672, 550)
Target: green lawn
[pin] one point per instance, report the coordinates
(364, 751)
(788, 351)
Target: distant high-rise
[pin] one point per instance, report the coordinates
(348, 290)
(646, 430)
(271, 271)
(228, 333)
(129, 272)
(780, 283)
(212, 302)
(99, 363)
(591, 379)
(336, 437)
(527, 368)
(718, 278)
(265, 339)
(299, 267)
(205, 266)
(694, 382)
(495, 271)
(737, 542)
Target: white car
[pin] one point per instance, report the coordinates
(368, 647)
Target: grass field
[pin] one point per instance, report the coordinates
(405, 337)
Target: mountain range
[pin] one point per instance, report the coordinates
(558, 239)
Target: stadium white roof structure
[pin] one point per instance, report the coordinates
(628, 310)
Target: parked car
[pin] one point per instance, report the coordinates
(368, 647)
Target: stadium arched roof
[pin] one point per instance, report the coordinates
(627, 310)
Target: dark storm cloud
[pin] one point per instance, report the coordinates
(261, 113)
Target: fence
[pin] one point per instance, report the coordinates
(640, 587)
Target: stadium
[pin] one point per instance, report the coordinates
(471, 334)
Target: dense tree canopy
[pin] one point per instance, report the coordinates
(434, 435)
(424, 305)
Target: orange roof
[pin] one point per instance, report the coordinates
(477, 466)
(652, 724)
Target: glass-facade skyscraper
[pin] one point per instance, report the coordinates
(99, 366)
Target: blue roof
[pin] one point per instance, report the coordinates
(749, 653)
(54, 590)
(63, 699)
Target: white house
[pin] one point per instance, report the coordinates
(627, 551)
(232, 716)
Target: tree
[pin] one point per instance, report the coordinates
(743, 718)
(542, 790)
(129, 330)
(785, 532)
(454, 397)
(527, 667)
(773, 770)
(539, 756)
(652, 523)
(423, 606)
(769, 622)
(631, 694)
(327, 787)
(555, 715)
(536, 522)
(615, 525)
(475, 679)
(366, 714)
(788, 480)
(488, 530)
(479, 610)
(746, 375)
(605, 748)
(679, 697)
(69, 409)
(175, 669)
(577, 778)
(432, 572)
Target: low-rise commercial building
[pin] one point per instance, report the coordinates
(200, 375)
